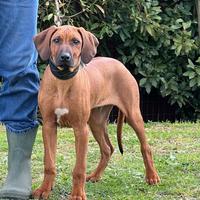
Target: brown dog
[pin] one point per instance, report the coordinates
(73, 95)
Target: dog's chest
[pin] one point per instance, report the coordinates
(70, 105)
(62, 116)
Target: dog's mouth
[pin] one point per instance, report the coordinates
(63, 71)
(64, 67)
(67, 66)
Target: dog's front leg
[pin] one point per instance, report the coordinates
(79, 172)
(50, 141)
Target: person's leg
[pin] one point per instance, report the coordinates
(21, 136)
(18, 92)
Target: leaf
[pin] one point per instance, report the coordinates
(178, 49)
(126, 33)
(122, 36)
(124, 59)
(143, 81)
(137, 61)
(198, 82)
(186, 73)
(192, 75)
(186, 25)
(179, 20)
(94, 26)
(175, 87)
(150, 30)
(198, 70)
(180, 104)
(175, 27)
(48, 17)
(143, 73)
(120, 51)
(190, 64)
(154, 82)
(100, 8)
(198, 60)
(83, 3)
(192, 83)
(148, 88)
(157, 17)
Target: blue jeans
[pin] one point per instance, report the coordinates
(19, 77)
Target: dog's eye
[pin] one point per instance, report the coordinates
(75, 41)
(56, 40)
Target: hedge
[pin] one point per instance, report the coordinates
(157, 40)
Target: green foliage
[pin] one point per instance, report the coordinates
(156, 39)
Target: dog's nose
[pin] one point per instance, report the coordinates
(65, 57)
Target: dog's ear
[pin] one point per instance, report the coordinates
(42, 42)
(89, 48)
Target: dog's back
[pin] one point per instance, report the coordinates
(109, 76)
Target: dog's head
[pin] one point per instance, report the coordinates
(67, 46)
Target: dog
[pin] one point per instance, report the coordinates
(78, 90)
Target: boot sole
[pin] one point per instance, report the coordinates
(14, 195)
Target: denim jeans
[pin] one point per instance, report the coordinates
(19, 77)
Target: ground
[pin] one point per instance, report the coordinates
(176, 149)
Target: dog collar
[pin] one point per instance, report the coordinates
(61, 74)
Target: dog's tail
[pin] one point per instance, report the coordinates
(120, 121)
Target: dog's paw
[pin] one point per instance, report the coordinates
(41, 193)
(152, 178)
(78, 197)
(93, 178)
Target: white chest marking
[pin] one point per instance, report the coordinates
(59, 112)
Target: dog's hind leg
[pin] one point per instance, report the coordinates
(135, 120)
(98, 125)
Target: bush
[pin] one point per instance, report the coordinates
(156, 40)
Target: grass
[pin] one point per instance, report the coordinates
(176, 149)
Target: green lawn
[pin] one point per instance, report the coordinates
(176, 149)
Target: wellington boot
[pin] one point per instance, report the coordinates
(18, 181)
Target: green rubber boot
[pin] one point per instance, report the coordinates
(18, 181)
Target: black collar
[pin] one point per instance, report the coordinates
(61, 74)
